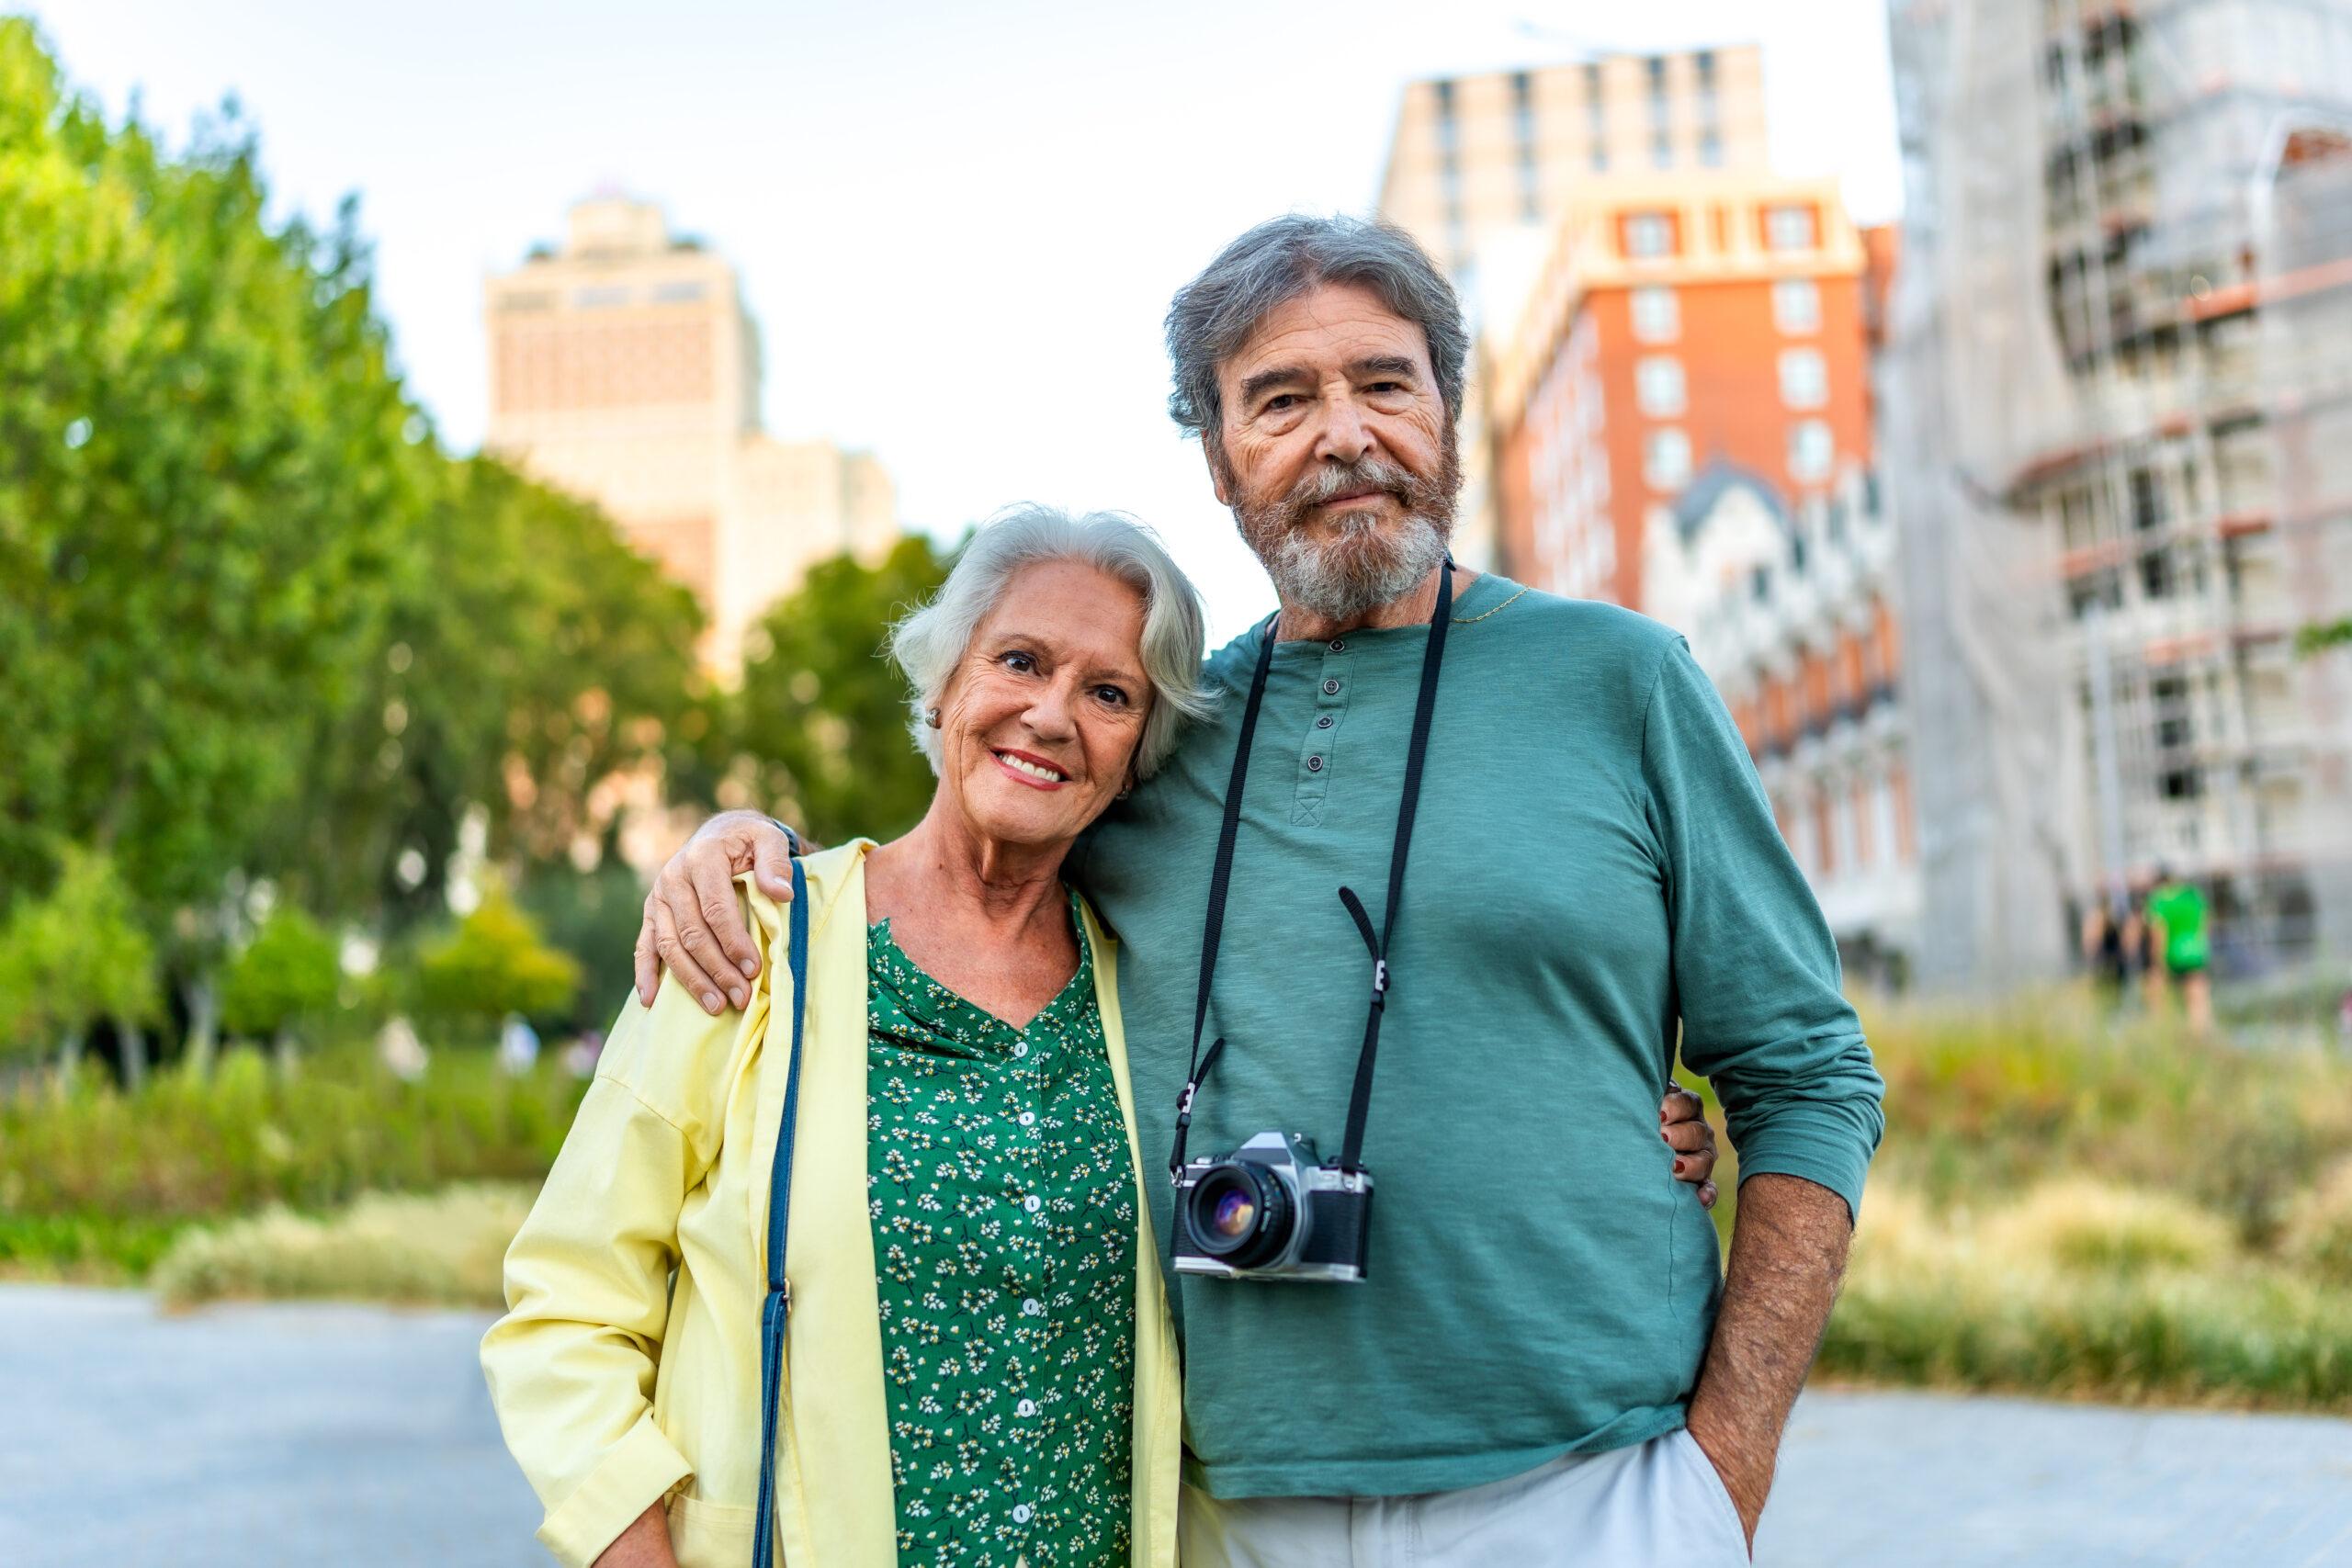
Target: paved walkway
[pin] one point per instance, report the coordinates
(258, 1436)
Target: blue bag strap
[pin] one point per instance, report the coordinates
(778, 1305)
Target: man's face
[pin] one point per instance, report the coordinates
(1336, 452)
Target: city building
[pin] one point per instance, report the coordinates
(625, 368)
(1483, 169)
(2116, 431)
(1680, 319)
(1790, 611)
(1481, 158)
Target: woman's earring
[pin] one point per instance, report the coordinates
(931, 717)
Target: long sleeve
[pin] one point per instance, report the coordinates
(572, 1364)
(1755, 968)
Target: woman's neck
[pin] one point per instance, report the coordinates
(942, 865)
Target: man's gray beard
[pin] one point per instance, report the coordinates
(1343, 578)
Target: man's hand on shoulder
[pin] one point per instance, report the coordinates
(692, 926)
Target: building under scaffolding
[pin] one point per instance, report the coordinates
(2118, 427)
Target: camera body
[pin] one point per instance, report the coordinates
(1271, 1210)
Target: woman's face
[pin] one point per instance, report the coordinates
(1039, 723)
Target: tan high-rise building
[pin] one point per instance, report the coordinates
(1477, 158)
(625, 369)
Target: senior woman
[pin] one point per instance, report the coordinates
(979, 1368)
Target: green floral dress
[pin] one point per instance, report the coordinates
(1003, 1204)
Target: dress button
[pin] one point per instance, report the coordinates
(1331, 688)
(1339, 645)
(1323, 723)
(1026, 1407)
(1023, 1513)
(1315, 764)
(1021, 1048)
(1032, 1202)
(1032, 1307)
(1026, 1117)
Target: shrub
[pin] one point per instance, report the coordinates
(2021, 1301)
(287, 976)
(444, 1249)
(2086, 1226)
(93, 1182)
(2319, 1231)
(493, 963)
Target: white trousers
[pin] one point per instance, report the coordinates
(1658, 1503)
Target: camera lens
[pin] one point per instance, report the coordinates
(1241, 1214)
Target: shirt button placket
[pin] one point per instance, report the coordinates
(1318, 753)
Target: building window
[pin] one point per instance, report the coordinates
(1657, 315)
(599, 299)
(1711, 148)
(1649, 234)
(1789, 228)
(1658, 386)
(678, 293)
(1661, 150)
(1796, 306)
(1804, 379)
(1812, 451)
(1665, 460)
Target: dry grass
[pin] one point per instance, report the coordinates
(444, 1249)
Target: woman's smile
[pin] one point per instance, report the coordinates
(1031, 769)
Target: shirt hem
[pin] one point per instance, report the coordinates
(1421, 1474)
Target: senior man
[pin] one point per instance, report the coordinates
(1544, 1362)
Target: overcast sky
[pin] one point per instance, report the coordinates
(959, 224)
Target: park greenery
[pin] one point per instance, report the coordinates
(288, 683)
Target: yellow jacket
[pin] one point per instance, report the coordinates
(618, 1387)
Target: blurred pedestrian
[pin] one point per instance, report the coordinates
(2178, 918)
(403, 1054)
(580, 1056)
(2103, 951)
(518, 1046)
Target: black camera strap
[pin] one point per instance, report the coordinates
(1221, 878)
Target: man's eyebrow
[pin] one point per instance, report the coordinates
(1387, 364)
(1265, 381)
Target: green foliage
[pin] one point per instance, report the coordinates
(287, 976)
(2321, 634)
(74, 958)
(253, 622)
(593, 916)
(95, 1183)
(821, 718)
(492, 964)
(2013, 1300)
(203, 470)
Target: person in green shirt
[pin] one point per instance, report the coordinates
(2177, 921)
(1545, 1360)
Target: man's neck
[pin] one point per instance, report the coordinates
(1300, 625)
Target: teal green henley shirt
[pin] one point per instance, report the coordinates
(1594, 868)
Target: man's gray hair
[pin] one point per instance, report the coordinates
(929, 643)
(1275, 263)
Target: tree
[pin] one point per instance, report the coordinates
(492, 964)
(76, 958)
(820, 725)
(285, 978)
(530, 659)
(205, 462)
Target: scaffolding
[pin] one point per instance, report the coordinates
(2118, 429)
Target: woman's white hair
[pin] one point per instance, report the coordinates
(930, 643)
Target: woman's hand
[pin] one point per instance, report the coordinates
(692, 924)
(645, 1544)
(1682, 1123)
